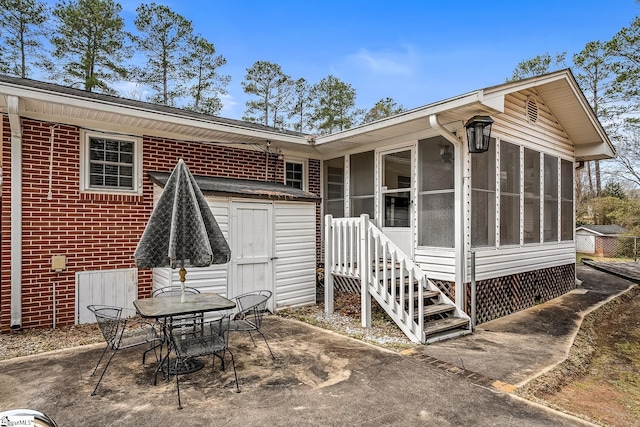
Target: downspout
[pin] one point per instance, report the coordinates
(459, 190)
(16, 211)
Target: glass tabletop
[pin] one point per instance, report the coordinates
(182, 304)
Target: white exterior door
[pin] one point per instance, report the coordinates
(251, 247)
(396, 197)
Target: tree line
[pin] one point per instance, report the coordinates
(608, 73)
(85, 44)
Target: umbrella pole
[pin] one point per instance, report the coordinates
(183, 277)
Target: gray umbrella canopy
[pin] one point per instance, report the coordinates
(182, 231)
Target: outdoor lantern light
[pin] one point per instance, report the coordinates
(479, 133)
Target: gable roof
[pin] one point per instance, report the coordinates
(55, 103)
(559, 90)
(604, 230)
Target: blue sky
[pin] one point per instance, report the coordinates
(415, 52)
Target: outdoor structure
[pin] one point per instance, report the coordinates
(604, 240)
(454, 230)
(459, 209)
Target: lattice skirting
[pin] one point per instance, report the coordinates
(346, 284)
(505, 295)
(447, 288)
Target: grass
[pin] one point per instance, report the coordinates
(580, 256)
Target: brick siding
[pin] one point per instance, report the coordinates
(95, 231)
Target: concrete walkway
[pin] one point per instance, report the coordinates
(321, 378)
(516, 348)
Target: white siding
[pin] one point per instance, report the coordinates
(505, 262)
(437, 263)
(544, 135)
(295, 252)
(118, 287)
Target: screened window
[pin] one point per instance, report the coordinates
(110, 163)
(550, 198)
(483, 197)
(334, 187)
(436, 193)
(531, 196)
(509, 194)
(396, 188)
(294, 175)
(566, 202)
(361, 194)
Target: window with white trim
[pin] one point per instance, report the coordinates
(110, 163)
(483, 197)
(295, 174)
(531, 196)
(567, 222)
(362, 184)
(334, 187)
(436, 193)
(550, 230)
(509, 194)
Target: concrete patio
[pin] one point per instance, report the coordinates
(321, 378)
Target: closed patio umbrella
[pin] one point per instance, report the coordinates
(181, 231)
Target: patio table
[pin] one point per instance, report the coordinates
(165, 308)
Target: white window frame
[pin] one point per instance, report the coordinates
(305, 170)
(85, 185)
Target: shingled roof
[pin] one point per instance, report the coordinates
(243, 187)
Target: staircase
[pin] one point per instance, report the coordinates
(399, 286)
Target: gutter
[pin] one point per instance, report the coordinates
(16, 211)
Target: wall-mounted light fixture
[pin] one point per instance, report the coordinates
(479, 133)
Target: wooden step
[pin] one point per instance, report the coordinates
(441, 325)
(432, 309)
(426, 294)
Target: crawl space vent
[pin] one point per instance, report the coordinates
(532, 109)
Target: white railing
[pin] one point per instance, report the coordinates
(354, 243)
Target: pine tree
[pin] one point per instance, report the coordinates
(90, 43)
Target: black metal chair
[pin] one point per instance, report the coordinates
(190, 320)
(169, 291)
(211, 339)
(251, 307)
(121, 331)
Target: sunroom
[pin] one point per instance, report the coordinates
(491, 229)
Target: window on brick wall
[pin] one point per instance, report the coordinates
(295, 174)
(110, 163)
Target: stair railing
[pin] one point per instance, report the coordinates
(350, 244)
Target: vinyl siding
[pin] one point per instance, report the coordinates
(295, 252)
(492, 263)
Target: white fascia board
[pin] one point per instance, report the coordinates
(112, 107)
(407, 116)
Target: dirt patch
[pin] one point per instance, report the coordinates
(600, 380)
(346, 321)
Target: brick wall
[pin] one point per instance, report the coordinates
(94, 231)
(314, 187)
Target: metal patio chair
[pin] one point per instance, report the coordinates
(121, 331)
(250, 310)
(212, 339)
(190, 320)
